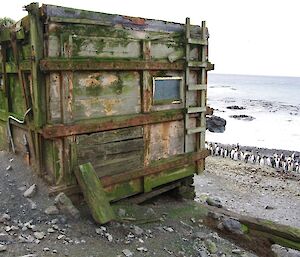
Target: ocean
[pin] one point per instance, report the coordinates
(268, 114)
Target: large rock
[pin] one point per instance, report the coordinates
(231, 225)
(280, 251)
(215, 124)
(65, 204)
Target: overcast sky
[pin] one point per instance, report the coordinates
(260, 37)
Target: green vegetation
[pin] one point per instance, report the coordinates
(6, 22)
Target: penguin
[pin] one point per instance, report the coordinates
(232, 153)
(284, 165)
(297, 167)
(290, 166)
(222, 152)
(252, 159)
(225, 152)
(217, 150)
(262, 161)
(236, 155)
(277, 163)
(269, 161)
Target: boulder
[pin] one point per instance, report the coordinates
(65, 204)
(215, 124)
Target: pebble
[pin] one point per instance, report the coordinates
(3, 248)
(142, 249)
(30, 192)
(214, 202)
(127, 253)
(168, 229)
(137, 230)
(4, 217)
(39, 235)
(61, 237)
(236, 251)
(109, 237)
(9, 168)
(52, 210)
(33, 205)
(50, 230)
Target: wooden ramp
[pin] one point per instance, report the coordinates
(94, 194)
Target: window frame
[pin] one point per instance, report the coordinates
(170, 100)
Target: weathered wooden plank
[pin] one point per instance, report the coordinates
(36, 39)
(105, 47)
(167, 176)
(110, 148)
(109, 123)
(117, 166)
(105, 94)
(156, 167)
(166, 164)
(66, 14)
(166, 139)
(89, 64)
(110, 136)
(112, 152)
(94, 194)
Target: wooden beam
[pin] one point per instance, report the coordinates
(36, 41)
(109, 123)
(94, 194)
(159, 166)
(64, 64)
(171, 163)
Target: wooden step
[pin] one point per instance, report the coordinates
(195, 130)
(197, 87)
(197, 41)
(196, 109)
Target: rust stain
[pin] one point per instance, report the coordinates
(165, 136)
(92, 80)
(135, 20)
(108, 105)
(108, 80)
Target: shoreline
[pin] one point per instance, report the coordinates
(264, 150)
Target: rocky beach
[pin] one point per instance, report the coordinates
(32, 224)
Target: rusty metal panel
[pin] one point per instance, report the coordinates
(166, 140)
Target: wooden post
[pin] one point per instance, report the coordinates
(94, 194)
(36, 39)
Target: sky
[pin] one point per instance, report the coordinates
(257, 37)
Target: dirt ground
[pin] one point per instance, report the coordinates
(161, 227)
(251, 190)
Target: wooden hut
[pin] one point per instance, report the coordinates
(126, 94)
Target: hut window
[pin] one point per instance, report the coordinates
(167, 90)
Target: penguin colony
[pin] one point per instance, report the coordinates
(277, 161)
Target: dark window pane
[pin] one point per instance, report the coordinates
(167, 89)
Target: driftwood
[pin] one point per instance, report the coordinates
(270, 231)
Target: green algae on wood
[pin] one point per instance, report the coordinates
(94, 194)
